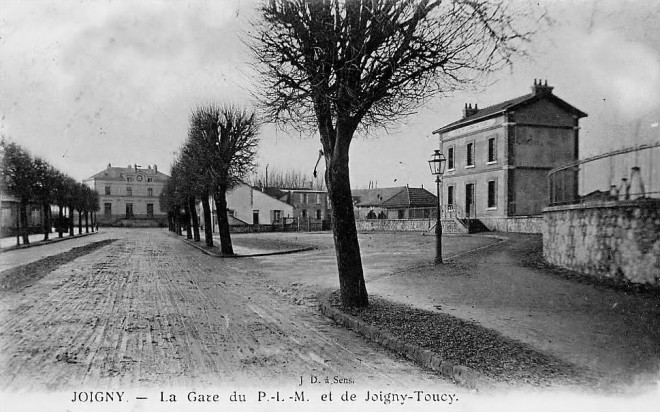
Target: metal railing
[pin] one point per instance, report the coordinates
(626, 174)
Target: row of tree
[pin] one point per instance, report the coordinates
(218, 153)
(33, 181)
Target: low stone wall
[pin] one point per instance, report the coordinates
(616, 240)
(520, 224)
(401, 225)
(408, 225)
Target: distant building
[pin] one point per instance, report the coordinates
(247, 205)
(252, 206)
(401, 202)
(310, 207)
(129, 196)
(498, 157)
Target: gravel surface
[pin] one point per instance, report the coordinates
(465, 343)
(25, 275)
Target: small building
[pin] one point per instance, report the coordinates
(401, 202)
(311, 208)
(249, 206)
(129, 196)
(498, 157)
(252, 206)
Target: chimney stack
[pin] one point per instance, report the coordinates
(469, 110)
(540, 88)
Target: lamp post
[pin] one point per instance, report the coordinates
(437, 166)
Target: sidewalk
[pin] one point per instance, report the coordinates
(12, 256)
(505, 287)
(9, 243)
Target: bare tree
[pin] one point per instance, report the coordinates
(339, 66)
(222, 140)
(289, 179)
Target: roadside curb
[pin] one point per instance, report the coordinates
(235, 256)
(45, 242)
(463, 375)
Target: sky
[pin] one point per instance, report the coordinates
(87, 83)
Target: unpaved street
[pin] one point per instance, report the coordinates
(151, 311)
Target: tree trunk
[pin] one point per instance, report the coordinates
(24, 222)
(193, 216)
(18, 225)
(208, 223)
(177, 221)
(46, 221)
(71, 221)
(186, 207)
(86, 221)
(223, 223)
(79, 222)
(349, 263)
(60, 221)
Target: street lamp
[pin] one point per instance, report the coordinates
(437, 166)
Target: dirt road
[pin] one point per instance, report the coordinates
(150, 311)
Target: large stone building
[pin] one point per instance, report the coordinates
(498, 157)
(129, 196)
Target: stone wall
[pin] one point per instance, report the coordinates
(408, 225)
(519, 224)
(616, 240)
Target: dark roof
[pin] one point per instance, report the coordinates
(491, 111)
(373, 197)
(119, 173)
(393, 197)
(411, 197)
(275, 192)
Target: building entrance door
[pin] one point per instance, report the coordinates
(469, 199)
(129, 210)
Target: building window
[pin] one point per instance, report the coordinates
(401, 214)
(492, 150)
(304, 198)
(450, 158)
(304, 213)
(149, 179)
(450, 196)
(107, 190)
(318, 198)
(150, 210)
(318, 214)
(150, 192)
(492, 194)
(255, 217)
(107, 209)
(277, 216)
(129, 210)
(129, 179)
(470, 155)
(129, 191)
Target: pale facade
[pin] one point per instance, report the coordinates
(498, 157)
(129, 195)
(255, 207)
(247, 205)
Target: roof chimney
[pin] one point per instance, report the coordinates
(469, 110)
(541, 89)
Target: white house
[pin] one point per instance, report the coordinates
(249, 206)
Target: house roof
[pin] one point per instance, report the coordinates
(411, 197)
(373, 197)
(499, 108)
(120, 173)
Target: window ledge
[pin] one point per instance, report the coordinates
(492, 208)
(494, 162)
(469, 166)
